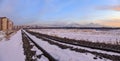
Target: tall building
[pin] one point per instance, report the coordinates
(10, 25)
(0, 24)
(5, 24)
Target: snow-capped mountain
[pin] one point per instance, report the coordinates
(93, 25)
(85, 25)
(70, 25)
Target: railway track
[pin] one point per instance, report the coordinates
(65, 45)
(45, 53)
(76, 43)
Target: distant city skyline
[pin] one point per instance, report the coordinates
(103, 12)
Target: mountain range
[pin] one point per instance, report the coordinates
(71, 25)
(78, 25)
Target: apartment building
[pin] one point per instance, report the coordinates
(5, 24)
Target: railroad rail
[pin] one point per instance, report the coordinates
(62, 44)
(73, 43)
(45, 53)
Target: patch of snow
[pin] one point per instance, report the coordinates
(65, 54)
(2, 34)
(43, 58)
(102, 36)
(38, 52)
(89, 49)
(12, 50)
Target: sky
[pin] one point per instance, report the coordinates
(104, 12)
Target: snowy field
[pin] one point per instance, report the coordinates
(106, 36)
(65, 54)
(2, 34)
(12, 50)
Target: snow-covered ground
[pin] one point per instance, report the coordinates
(106, 36)
(2, 34)
(38, 52)
(65, 54)
(12, 50)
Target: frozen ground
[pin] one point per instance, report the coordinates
(38, 52)
(2, 34)
(106, 36)
(11, 50)
(65, 54)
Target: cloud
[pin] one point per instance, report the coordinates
(115, 8)
(113, 22)
(54, 6)
(7, 8)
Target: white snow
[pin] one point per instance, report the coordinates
(2, 34)
(12, 50)
(38, 52)
(89, 49)
(64, 54)
(108, 36)
(43, 58)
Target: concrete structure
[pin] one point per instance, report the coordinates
(0, 24)
(5, 24)
(10, 25)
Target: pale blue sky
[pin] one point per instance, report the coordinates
(68, 11)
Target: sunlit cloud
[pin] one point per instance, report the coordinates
(115, 8)
(113, 22)
(56, 11)
(8, 7)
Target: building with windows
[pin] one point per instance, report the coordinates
(5, 24)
